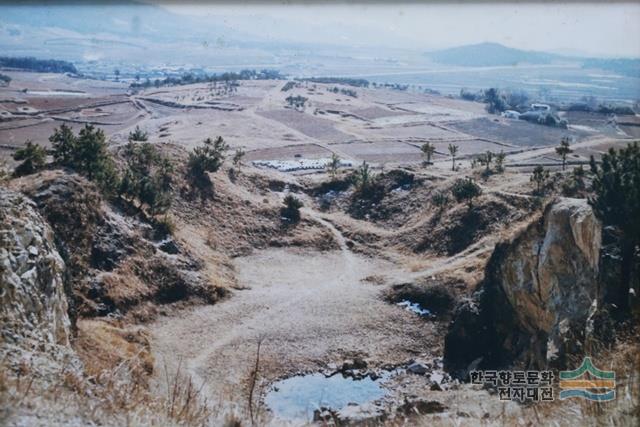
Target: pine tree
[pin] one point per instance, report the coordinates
(539, 176)
(616, 184)
(563, 150)
(64, 144)
(453, 151)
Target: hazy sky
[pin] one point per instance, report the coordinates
(611, 29)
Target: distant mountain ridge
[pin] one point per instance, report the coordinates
(495, 55)
(491, 55)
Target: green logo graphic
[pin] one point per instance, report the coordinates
(588, 382)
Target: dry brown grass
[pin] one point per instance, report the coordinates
(103, 347)
(124, 287)
(112, 391)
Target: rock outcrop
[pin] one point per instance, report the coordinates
(539, 290)
(116, 263)
(33, 305)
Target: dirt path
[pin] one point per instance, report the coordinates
(308, 308)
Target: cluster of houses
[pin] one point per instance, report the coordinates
(537, 113)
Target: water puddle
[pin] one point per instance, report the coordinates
(414, 307)
(298, 397)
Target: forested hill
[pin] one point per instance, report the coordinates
(41, 65)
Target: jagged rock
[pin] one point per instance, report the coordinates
(33, 305)
(436, 379)
(365, 414)
(465, 336)
(421, 407)
(537, 292)
(111, 244)
(418, 368)
(434, 296)
(356, 363)
(559, 281)
(324, 414)
(169, 246)
(113, 266)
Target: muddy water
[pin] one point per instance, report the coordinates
(296, 398)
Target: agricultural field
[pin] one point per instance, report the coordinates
(378, 125)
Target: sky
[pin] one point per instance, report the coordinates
(602, 29)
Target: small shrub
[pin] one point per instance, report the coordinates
(440, 199)
(237, 158)
(204, 159)
(138, 135)
(575, 185)
(291, 209)
(362, 178)
(165, 225)
(33, 158)
(465, 190)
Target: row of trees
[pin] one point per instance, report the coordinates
(145, 179)
(337, 80)
(347, 92)
(191, 78)
(296, 102)
(486, 159)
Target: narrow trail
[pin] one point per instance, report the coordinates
(347, 255)
(308, 308)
